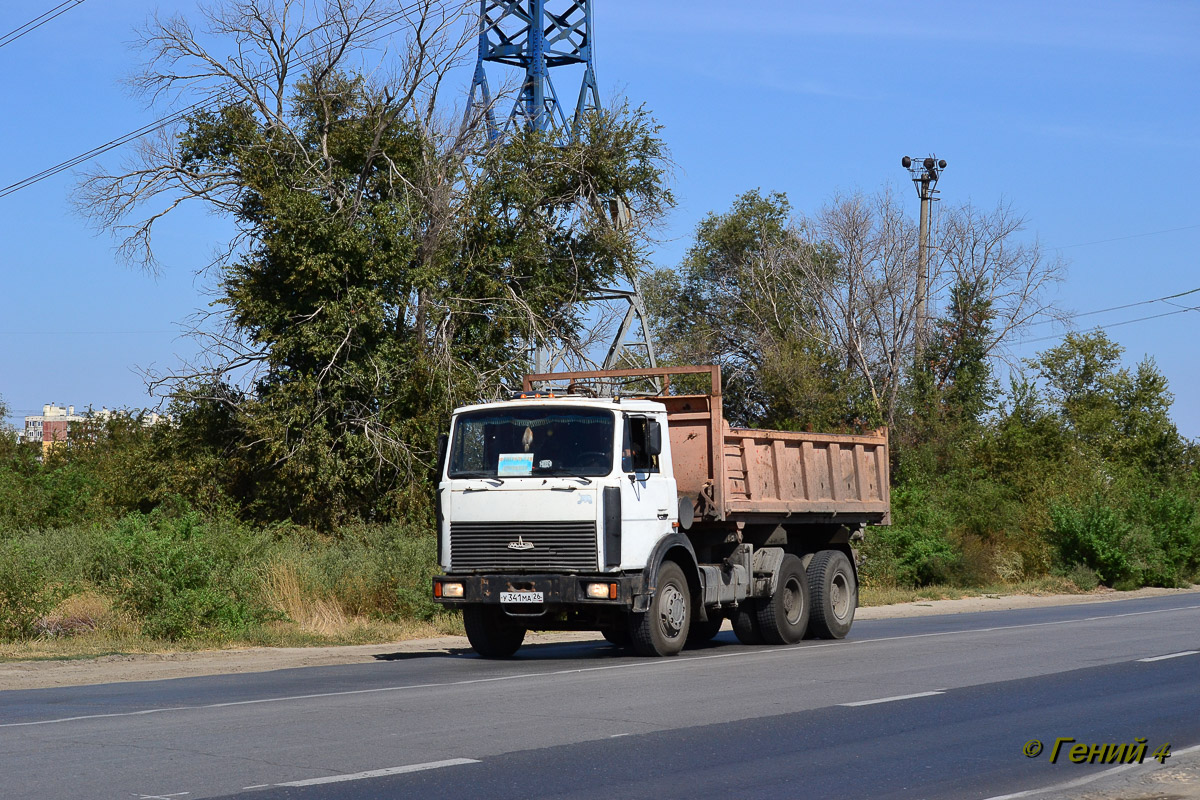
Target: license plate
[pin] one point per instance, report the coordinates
(520, 597)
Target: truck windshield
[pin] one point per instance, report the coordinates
(498, 443)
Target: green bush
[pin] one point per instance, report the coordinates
(1144, 538)
(27, 590)
(916, 549)
(180, 576)
(1094, 535)
(1085, 578)
(1169, 525)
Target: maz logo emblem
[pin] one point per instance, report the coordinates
(520, 544)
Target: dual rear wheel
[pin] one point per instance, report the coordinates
(815, 603)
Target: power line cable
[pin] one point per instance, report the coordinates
(37, 22)
(1182, 310)
(162, 122)
(1122, 307)
(1123, 238)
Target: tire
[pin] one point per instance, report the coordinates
(617, 636)
(745, 622)
(663, 630)
(783, 618)
(834, 593)
(701, 633)
(490, 631)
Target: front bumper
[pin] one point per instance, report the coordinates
(558, 591)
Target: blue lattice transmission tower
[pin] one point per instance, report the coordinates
(535, 36)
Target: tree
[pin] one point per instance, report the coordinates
(386, 265)
(1122, 415)
(836, 291)
(956, 360)
(700, 311)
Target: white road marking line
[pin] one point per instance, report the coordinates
(890, 699)
(1172, 655)
(619, 735)
(379, 773)
(255, 786)
(672, 663)
(1023, 625)
(1058, 787)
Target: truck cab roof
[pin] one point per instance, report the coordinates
(628, 404)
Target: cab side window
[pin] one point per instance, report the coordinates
(634, 457)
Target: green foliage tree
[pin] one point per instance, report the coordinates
(731, 302)
(950, 390)
(1120, 415)
(386, 268)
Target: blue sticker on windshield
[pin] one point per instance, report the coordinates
(515, 464)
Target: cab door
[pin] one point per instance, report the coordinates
(648, 497)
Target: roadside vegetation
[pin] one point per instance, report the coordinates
(388, 266)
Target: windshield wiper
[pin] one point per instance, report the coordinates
(581, 478)
(481, 475)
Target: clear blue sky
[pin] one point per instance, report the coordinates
(1083, 115)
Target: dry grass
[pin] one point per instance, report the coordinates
(87, 626)
(889, 595)
(307, 607)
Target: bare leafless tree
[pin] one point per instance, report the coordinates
(985, 253)
(252, 53)
(845, 277)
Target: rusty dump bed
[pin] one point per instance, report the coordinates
(740, 474)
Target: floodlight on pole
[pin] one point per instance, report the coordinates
(925, 174)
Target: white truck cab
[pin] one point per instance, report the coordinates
(648, 519)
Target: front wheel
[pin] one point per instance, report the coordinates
(663, 629)
(834, 595)
(490, 631)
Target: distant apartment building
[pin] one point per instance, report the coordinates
(54, 423)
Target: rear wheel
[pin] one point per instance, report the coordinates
(745, 622)
(703, 632)
(491, 632)
(663, 629)
(783, 618)
(834, 592)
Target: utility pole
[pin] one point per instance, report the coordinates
(925, 176)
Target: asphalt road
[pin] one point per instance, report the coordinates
(921, 707)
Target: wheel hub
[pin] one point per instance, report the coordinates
(673, 610)
(793, 603)
(839, 596)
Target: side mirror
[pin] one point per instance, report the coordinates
(653, 438)
(442, 440)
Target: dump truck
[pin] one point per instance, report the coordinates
(581, 505)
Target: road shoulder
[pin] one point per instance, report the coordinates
(16, 675)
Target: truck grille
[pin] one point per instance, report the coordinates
(556, 546)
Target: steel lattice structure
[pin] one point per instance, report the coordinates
(535, 36)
